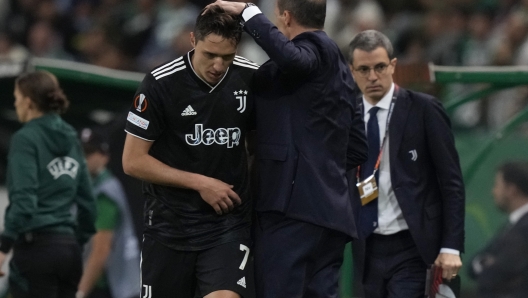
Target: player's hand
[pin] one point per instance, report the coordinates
(2, 259)
(219, 195)
(450, 264)
(234, 8)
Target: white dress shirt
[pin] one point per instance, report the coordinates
(390, 216)
(517, 214)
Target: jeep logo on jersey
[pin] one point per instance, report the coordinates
(140, 103)
(63, 166)
(220, 136)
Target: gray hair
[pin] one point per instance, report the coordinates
(368, 41)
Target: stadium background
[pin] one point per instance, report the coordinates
(104, 46)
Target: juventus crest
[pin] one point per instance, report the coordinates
(242, 98)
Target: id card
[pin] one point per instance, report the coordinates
(368, 190)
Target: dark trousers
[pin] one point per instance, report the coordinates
(393, 267)
(103, 293)
(45, 265)
(100, 293)
(295, 259)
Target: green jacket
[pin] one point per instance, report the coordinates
(48, 183)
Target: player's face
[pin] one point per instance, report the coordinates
(212, 57)
(22, 104)
(372, 72)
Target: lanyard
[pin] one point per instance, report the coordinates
(391, 108)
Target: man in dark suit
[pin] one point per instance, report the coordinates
(308, 130)
(416, 215)
(501, 268)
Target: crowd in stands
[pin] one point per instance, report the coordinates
(137, 35)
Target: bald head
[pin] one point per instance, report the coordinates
(308, 13)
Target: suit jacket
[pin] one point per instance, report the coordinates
(501, 269)
(308, 127)
(428, 187)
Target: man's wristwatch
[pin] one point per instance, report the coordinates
(249, 4)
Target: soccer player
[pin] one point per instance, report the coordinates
(186, 135)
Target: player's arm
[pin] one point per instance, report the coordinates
(101, 247)
(86, 206)
(108, 219)
(137, 162)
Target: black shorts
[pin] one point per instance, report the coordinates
(168, 273)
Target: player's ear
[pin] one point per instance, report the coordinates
(193, 39)
(287, 18)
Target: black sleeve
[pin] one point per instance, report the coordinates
(145, 119)
(501, 267)
(357, 152)
(300, 59)
(441, 145)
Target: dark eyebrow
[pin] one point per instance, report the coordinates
(216, 55)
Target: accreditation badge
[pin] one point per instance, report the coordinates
(368, 190)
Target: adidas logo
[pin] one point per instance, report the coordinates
(242, 282)
(188, 111)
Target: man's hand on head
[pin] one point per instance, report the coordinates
(234, 8)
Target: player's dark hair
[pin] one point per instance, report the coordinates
(516, 173)
(44, 91)
(368, 41)
(216, 20)
(308, 13)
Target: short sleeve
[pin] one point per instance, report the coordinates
(107, 213)
(145, 118)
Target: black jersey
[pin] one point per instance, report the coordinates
(197, 128)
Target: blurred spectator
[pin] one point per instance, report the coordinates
(510, 48)
(48, 12)
(174, 17)
(112, 264)
(20, 18)
(97, 47)
(511, 42)
(139, 23)
(501, 268)
(475, 49)
(445, 29)
(4, 9)
(11, 51)
(366, 15)
(44, 41)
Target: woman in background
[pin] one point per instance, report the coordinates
(51, 210)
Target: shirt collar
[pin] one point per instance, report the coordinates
(384, 103)
(212, 88)
(517, 214)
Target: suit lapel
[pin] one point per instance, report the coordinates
(398, 121)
